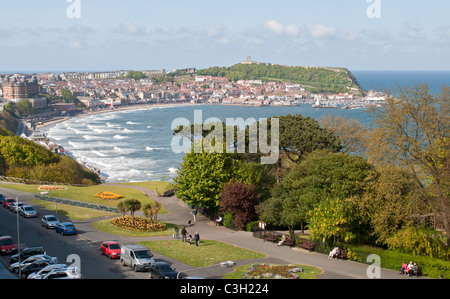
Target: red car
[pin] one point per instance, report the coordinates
(7, 245)
(111, 249)
(7, 202)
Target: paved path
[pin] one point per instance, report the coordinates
(180, 214)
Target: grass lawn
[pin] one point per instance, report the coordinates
(158, 186)
(87, 194)
(309, 272)
(73, 212)
(208, 252)
(106, 226)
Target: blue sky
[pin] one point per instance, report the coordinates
(38, 35)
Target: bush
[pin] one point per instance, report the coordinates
(390, 259)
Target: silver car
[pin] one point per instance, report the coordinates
(67, 273)
(27, 211)
(14, 207)
(49, 221)
(16, 266)
(46, 270)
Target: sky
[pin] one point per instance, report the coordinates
(108, 35)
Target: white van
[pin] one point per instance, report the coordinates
(136, 256)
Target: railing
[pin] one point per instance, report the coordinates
(77, 203)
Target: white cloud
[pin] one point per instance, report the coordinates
(129, 28)
(274, 26)
(291, 30)
(321, 31)
(74, 45)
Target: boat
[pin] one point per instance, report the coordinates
(319, 105)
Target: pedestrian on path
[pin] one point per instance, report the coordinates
(177, 232)
(196, 238)
(194, 213)
(183, 234)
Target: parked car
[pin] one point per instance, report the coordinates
(15, 206)
(67, 273)
(49, 221)
(162, 270)
(41, 273)
(14, 267)
(66, 228)
(6, 202)
(35, 266)
(2, 197)
(136, 256)
(110, 249)
(27, 211)
(7, 245)
(26, 253)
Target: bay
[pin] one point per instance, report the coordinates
(135, 145)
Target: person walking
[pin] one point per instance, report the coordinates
(196, 238)
(194, 213)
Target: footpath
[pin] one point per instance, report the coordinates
(180, 214)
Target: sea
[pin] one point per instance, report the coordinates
(136, 145)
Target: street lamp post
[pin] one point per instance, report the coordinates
(227, 264)
(18, 231)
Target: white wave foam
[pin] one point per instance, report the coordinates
(120, 137)
(149, 148)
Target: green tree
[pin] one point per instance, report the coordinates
(132, 205)
(330, 221)
(302, 135)
(202, 177)
(411, 130)
(24, 107)
(320, 176)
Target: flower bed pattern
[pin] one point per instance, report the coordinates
(140, 224)
(47, 188)
(108, 195)
(271, 271)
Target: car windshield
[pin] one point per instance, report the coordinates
(142, 254)
(10, 200)
(29, 209)
(165, 268)
(114, 246)
(52, 218)
(5, 242)
(69, 226)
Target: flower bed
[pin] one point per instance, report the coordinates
(140, 224)
(108, 195)
(47, 188)
(271, 271)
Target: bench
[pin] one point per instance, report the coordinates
(342, 254)
(271, 237)
(289, 242)
(306, 244)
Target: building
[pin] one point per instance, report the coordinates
(16, 89)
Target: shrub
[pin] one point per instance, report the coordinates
(390, 259)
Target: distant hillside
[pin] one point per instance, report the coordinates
(313, 79)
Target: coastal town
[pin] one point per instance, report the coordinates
(96, 91)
